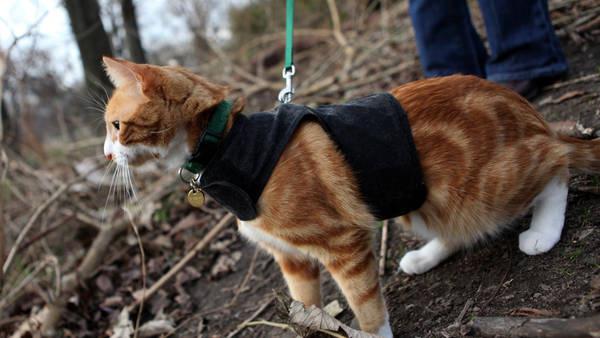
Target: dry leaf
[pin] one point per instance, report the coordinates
(104, 284)
(112, 301)
(595, 283)
(226, 238)
(583, 130)
(146, 214)
(192, 272)
(317, 319)
(139, 295)
(187, 222)
(581, 235)
(225, 264)
(163, 242)
(156, 327)
(333, 308)
(124, 327)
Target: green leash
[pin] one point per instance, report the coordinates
(287, 93)
(289, 34)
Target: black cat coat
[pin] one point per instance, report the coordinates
(373, 134)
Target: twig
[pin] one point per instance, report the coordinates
(242, 285)
(143, 268)
(370, 79)
(289, 327)
(251, 318)
(182, 263)
(14, 291)
(586, 78)
(3, 181)
(383, 248)
(339, 36)
(82, 144)
(463, 312)
(47, 319)
(34, 217)
(502, 280)
(268, 323)
(5, 59)
(589, 25)
(57, 224)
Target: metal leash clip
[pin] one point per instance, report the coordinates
(287, 93)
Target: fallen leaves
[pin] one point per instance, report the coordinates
(225, 264)
(124, 327)
(333, 308)
(319, 320)
(156, 327)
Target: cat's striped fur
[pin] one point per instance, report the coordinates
(487, 156)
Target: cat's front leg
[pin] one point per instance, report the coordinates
(299, 271)
(354, 268)
(301, 276)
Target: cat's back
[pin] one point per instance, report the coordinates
(469, 102)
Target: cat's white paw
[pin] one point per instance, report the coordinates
(534, 242)
(385, 330)
(417, 262)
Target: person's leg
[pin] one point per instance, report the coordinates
(522, 41)
(446, 40)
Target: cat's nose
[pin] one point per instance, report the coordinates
(109, 157)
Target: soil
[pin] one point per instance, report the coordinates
(491, 279)
(231, 281)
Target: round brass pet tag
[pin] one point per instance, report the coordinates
(196, 198)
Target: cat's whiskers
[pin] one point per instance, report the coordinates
(111, 190)
(108, 167)
(133, 195)
(94, 102)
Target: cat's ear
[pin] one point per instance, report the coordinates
(120, 72)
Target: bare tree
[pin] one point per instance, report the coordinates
(132, 33)
(92, 40)
(196, 17)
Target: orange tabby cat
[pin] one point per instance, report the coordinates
(487, 156)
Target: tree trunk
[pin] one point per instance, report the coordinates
(132, 33)
(92, 40)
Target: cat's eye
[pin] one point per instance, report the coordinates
(116, 124)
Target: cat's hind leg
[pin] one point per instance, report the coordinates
(427, 257)
(548, 218)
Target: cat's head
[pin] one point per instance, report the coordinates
(153, 109)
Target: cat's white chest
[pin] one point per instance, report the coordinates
(252, 231)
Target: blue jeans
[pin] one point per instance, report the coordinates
(522, 42)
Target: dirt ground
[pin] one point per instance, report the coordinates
(495, 278)
(231, 281)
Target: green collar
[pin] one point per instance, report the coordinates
(210, 139)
